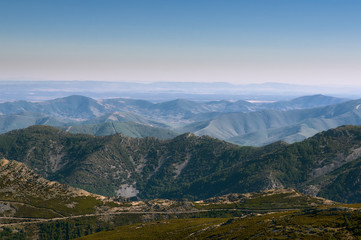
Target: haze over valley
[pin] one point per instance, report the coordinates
(241, 122)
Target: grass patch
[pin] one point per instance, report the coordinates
(313, 223)
(167, 229)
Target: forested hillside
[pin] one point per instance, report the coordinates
(189, 166)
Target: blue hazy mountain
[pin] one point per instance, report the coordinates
(263, 127)
(163, 91)
(241, 122)
(25, 119)
(129, 129)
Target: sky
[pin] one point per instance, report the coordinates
(236, 41)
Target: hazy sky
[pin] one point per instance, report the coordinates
(238, 41)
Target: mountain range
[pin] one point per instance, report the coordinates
(264, 127)
(189, 166)
(163, 91)
(240, 122)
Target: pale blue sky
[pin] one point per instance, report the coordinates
(238, 41)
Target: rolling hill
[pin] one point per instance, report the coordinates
(129, 129)
(303, 102)
(75, 108)
(25, 119)
(174, 113)
(264, 127)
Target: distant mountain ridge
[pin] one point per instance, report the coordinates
(164, 91)
(264, 127)
(129, 129)
(79, 107)
(303, 102)
(221, 119)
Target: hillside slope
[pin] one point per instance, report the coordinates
(189, 166)
(111, 164)
(26, 194)
(25, 119)
(312, 224)
(129, 129)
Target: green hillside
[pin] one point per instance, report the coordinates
(82, 160)
(129, 129)
(24, 194)
(189, 166)
(276, 214)
(25, 119)
(187, 217)
(308, 224)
